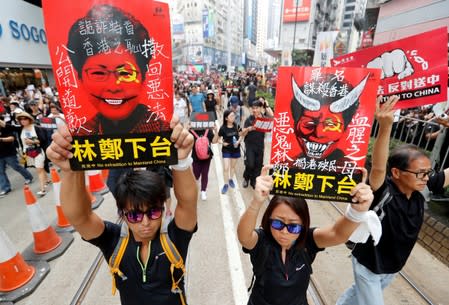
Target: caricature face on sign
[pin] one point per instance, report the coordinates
(113, 83)
(103, 51)
(321, 119)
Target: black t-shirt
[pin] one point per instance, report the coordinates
(279, 283)
(7, 149)
(228, 134)
(156, 290)
(200, 133)
(254, 137)
(400, 227)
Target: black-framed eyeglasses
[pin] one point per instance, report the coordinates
(100, 74)
(136, 216)
(293, 228)
(420, 175)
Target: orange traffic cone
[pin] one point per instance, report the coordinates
(45, 237)
(105, 174)
(95, 200)
(96, 183)
(62, 221)
(14, 271)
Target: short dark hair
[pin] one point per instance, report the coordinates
(299, 205)
(106, 14)
(403, 155)
(140, 190)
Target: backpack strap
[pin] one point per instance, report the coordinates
(205, 134)
(194, 133)
(176, 261)
(117, 255)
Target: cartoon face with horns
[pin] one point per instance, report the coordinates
(322, 110)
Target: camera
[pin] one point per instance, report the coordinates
(443, 116)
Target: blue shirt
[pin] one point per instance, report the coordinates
(197, 102)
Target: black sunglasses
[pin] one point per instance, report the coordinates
(136, 216)
(420, 175)
(293, 228)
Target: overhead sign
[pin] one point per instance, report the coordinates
(23, 39)
(295, 13)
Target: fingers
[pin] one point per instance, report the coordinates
(390, 103)
(364, 174)
(174, 121)
(266, 169)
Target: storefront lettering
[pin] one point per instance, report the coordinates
(23, 31)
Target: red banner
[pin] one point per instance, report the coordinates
(415, 68)
(293, 13)
(322, 123)
(113, 67)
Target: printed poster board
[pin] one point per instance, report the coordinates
(322, 122)
(113, 67)
(415, 68)
(202, 120)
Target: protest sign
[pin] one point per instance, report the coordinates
(202, 120)
(113, 68)
(415, 68)
(322, 123)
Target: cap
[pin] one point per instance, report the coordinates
(209, 92)
(234, 100)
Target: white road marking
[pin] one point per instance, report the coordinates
(230, 229)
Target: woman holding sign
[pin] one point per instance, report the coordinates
(284, 247)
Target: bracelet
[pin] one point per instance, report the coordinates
(354, 215)
(182, 164)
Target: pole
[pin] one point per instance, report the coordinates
(294, 31)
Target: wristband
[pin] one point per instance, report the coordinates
(182, 164)
(354, 215)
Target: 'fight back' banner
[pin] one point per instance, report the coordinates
(415, 68)
(322, 122)
(113, 66)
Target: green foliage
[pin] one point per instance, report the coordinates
(267, 96)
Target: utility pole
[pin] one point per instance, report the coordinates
(294, 31)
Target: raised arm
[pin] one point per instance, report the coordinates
(184, 184)
(384, 116)
(341, 230)
(75, 200)
(245, 230)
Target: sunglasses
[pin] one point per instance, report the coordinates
(136, 216)
(420, 175)
(293, 228)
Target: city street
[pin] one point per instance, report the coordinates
(217, 270)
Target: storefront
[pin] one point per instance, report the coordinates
(24, 57)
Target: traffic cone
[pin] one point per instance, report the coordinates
(95, 200)
(105, 174)
(45, 237)
(96, 183)
(18, 277)
(14, 271)
(62, 222)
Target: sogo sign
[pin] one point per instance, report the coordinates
(26, 32)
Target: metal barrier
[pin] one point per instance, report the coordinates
(415, 131)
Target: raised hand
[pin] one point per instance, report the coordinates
(59, 150)
(264, 184)
(385, 113)
(181, 137)
(362, 195)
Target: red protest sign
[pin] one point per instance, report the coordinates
(322, 123)
(414, 70)
(263, 124)
(113, 67)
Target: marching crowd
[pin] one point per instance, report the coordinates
(282, 248)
